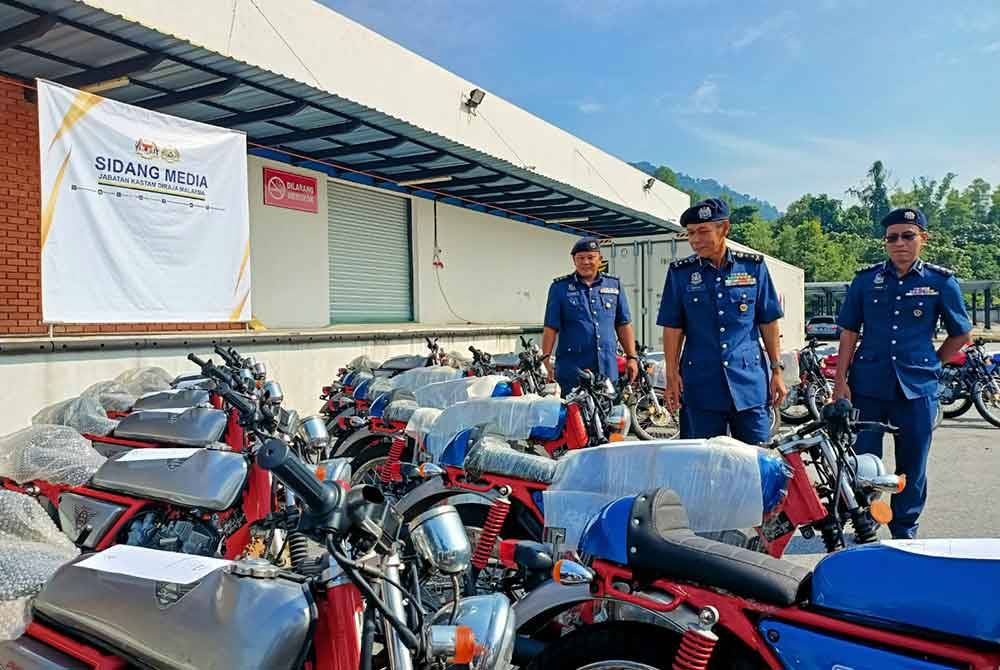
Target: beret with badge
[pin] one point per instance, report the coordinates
(910, 215)
(585, 244)
(706, 211)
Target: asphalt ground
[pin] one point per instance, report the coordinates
(963, 489)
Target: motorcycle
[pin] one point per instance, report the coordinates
(970, 377)
(656, 597)
(806, 399)
(651, 420)
(193, 500)
(93, 612)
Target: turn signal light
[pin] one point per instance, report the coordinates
(321, 473)
(902, 483)
(465, 646)
(881, 512)
(616, 437)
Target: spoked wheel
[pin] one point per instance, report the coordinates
(610, 646)
(986, 395)
(650, 424)
(939, 417)
(794, 410)
(366, 468)
(957, 408)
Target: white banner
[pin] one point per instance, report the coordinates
(145, 216)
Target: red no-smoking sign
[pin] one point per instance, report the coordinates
(291, 191)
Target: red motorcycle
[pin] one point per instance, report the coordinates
(659, 597)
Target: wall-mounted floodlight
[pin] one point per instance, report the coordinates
(475, 98)
(649, 184)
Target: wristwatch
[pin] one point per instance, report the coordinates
(777, 365)
(631, 358)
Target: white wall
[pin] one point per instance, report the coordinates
(33, 381)
(385, 76)
(495, 270)
(288, 252)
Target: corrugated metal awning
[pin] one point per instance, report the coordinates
(292, 122)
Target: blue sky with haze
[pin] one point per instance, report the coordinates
(773, 98)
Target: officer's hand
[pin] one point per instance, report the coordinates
(672, 394)
(778, 388)
(550, 371)
(841, 390)
(632, 367)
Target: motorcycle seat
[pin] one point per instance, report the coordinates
(937, 585)
(172, 399)
(399, 411)
(494, 456)
(661, 543)
(192, 427)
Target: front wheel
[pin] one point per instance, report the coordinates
(650, 424)
(793, 408)
(986, 395)
(610, 646)
(817, 396)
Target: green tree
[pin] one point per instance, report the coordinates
(822, 207)
(666, 175)
(750, 229)
(874, 193)
(822, 259)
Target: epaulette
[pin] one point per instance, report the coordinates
(615, 277)
(563, 278)
(947, 272)
(683, 262)
(747, 256)
(873, 266)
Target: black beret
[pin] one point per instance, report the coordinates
(905, 215)
(585, 244)
(706, 211)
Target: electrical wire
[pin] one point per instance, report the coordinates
(287, 45)
(438, 265)
(520, 161)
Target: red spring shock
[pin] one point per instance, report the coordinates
(390, 469)
(491, 530)
(698, 642)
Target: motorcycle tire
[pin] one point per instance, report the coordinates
(644, 428)
(775, 420)
(956, 409)
(794, 410)
(987, 400)
(611, 646)
(938, 418)
(817, 397)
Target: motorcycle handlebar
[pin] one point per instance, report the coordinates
(275, 456)
(212, 370)
(875, 426)
(227, 356)
(246, 407)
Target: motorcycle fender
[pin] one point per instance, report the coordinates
(435, 491)
(549, 600)
(352, 440)
(333, 427)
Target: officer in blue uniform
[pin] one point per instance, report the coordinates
(719, 303)
(893, 376)
(589, 312)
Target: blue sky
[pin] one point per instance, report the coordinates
(776, 99)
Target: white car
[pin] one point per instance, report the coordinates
(822, 327)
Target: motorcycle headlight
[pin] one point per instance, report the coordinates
(272, 393)
(439, 538)
(868, 466)
(619, 419)
(259, 370)
(491, 620)
(313, 432)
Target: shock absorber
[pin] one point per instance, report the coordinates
(491, 529)
(298, 550)
(390, 469)
(864, 527)
(833, 536)
(698, 642)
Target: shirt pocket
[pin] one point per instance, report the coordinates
(918, 309)
(743, 299)
(696, 302)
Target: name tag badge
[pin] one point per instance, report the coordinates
(922, 290)
(612, 291)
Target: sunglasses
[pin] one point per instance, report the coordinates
(909, 236)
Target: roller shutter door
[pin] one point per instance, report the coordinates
(370, 265)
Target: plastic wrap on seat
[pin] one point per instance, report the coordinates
(399, 411)
(507, 361)
(413, 379)
(380, 386)
(447, 393)
(420, 423)
(512, 418)
(454, 359)
(144, 380)
(493, 455)
(31, 548)
(113, 396)
(83, 413)
(55, 454)
(658, 375)
(362, 362)
(718, 480)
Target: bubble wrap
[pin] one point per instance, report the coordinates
(31, 548)
(454, 359)
(144, 380)
(507, 360)
(658, 375)
(493, 455)
(113, 396)
(83, 413)
(55, 454)
(362, 362)
(413, 379)
(400, 410)
(445, 394)
(420, 423)
(512, 418)
(718, 480)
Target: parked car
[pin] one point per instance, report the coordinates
(824, 327)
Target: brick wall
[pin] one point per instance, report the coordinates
(20, 205)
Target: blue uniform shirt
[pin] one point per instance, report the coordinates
(898, 315)
(586, 318)
(719, 311)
